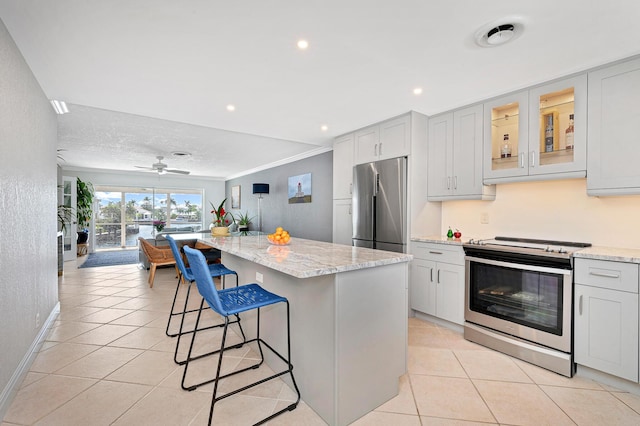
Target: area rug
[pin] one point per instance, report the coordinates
(110, 258)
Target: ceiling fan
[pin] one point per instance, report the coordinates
(161, 167)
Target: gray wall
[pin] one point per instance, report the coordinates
(313, 220)
(28, 199)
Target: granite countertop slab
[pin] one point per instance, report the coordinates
(615, 254)
(304, 258)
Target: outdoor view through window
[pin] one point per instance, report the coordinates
(126, 213)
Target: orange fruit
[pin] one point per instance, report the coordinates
(279, 229)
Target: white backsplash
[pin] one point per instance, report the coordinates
(559, 210)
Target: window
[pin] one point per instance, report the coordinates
(126, 213)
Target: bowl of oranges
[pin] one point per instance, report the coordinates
(281, 237)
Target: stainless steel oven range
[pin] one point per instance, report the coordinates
(519, 299)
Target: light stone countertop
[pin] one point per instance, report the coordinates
(302, 258)
(615, 254)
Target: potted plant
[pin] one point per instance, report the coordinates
(84, 209)
(220, 223)
(243, 221)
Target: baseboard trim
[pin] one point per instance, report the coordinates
(10, 391)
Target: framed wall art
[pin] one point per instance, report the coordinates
(299, 189)
(235, 197)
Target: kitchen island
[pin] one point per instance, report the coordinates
(348, 317)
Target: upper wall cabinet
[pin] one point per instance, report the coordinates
(389, 139)
(537, 134)
(614, 126)
(343, 166)
(454, 157)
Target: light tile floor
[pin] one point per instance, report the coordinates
(107, 360)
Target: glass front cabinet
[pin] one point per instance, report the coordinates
(538, 133)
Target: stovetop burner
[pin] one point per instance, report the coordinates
(529, 245)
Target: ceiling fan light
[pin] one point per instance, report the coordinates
(162, 172)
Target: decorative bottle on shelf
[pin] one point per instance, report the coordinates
(548, 135)
(506, 147)
(568, 134)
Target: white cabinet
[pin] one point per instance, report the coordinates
(343, 166)
(342, 221)
(614, 126)
(527, 134)
(455, 156)
(606, 317)
(389, 139)
(342, 188)
(437, 280)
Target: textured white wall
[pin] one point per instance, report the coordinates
(551, 210)
(28, 250)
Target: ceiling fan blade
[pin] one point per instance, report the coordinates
(182, 172)
(146, 168)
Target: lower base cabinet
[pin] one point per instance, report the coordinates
(437, 281)
(606, 317)
(342, 222)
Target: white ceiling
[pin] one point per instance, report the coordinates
(149, 77)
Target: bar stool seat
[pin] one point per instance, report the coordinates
(234, 301)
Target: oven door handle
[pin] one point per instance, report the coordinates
(522, 266)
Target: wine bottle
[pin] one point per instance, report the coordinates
(568, 134)
(548, 135)
(506, 147)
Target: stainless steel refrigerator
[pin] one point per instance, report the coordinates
(380, 205)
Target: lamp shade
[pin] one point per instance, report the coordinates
(260, 188)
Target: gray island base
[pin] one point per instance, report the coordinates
(348, 317)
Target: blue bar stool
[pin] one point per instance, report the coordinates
(233, 301)
(215, 270)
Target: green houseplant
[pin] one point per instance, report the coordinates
(84, 209)
(243, 221)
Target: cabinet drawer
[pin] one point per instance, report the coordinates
(439, 252)
(607, 274)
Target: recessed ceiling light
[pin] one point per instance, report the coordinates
(231, 107)
(181, 154)
(324, 127)
(303, 44)
(497, 33)
(60, 107)
(417, 91)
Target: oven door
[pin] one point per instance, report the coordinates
(531, 302)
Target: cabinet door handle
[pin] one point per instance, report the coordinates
(580, 305)
(380, 149)
(604, 274)
(351, 188)
(438, 276)
(455, 182)
(448, 182)
(431, 270)
(375, 150)
(533, 158)
(522, 160)
(435, 252)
